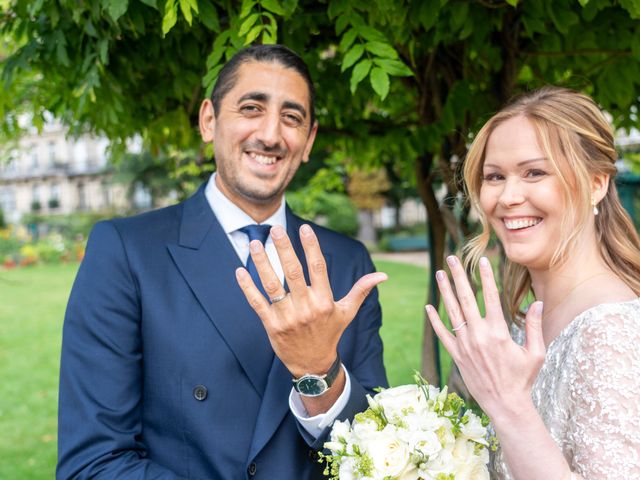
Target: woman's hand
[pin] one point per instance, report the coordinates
(498, 372)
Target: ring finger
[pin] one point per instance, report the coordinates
(270, 281)
(454, 312)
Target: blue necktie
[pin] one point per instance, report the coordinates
(256, 232)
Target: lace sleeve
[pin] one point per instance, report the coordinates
(604, 424)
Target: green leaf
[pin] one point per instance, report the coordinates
(247, 6)
(210, 79)
(289, 6)
(170, 16)
(583, 2)
(395, 68)
(209, 16)
(347, 39)
(268, 38)
(151, 3)
(359, 72)
(115, 8)
(247, 24)
(103, 49)
(273, 6)
(341, 23)
(371, 34)
(185, 6)
(380, 82)
(352, 56)
(429, 12)
(253, 34)
(381, 49)
(514, 3)
(337, 7)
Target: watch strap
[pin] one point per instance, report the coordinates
(328, 377)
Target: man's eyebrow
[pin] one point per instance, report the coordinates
(519, 164)
(257, 96)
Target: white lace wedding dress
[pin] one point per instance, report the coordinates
(588, 393)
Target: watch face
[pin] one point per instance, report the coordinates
(311, 386)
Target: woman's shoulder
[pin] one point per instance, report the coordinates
(610, 321)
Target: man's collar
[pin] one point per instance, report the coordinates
(232, 217)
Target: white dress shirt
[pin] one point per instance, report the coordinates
(232, 218)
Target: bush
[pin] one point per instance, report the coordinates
(69, 226)
(333, 210)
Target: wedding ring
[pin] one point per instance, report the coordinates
(279, 298)
(463, 324)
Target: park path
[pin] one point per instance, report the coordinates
(420, 259)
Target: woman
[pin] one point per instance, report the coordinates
(540, 173)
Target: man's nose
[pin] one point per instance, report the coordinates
(269, 131)
(513, 192)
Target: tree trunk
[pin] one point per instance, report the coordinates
(436, 231)
(366, 229)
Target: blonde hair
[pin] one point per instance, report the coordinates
(578, 141)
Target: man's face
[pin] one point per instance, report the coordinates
(260, 135)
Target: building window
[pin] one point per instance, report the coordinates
(54, 196)
(34, 155)
(52, 152)
(7, 200)
(82, 196)
(106, 193)
(36, 200)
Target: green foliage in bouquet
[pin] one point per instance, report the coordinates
(411, 432)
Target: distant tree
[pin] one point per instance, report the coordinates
(401, 82)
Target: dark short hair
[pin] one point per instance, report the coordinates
(262, 53)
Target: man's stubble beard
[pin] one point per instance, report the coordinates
(251, 192)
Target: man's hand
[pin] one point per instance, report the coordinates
(304, 328)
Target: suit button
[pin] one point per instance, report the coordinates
(200, 392)
(252, 469)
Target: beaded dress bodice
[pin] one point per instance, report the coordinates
(588, 393)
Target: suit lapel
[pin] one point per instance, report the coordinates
(207, 261)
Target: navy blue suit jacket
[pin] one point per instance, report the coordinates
(167, 372)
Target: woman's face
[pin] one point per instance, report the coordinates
(521, 194)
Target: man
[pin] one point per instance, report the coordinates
(167, 371)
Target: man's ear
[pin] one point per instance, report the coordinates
(310, 139)
(599, 187)
(207, 121)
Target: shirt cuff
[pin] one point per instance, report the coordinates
(315, 425)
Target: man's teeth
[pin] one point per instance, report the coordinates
(262, 159)
(521, 223)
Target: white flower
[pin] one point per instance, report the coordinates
(397, 402)
(468, 464)
(424, 441)
(389, 454)
(473, 430)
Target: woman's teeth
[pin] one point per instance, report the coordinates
(521, 223)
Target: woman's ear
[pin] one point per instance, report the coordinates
(207, 121)
(599, 187)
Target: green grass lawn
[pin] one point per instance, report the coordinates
(32, 303)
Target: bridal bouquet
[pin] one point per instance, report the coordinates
(411, 432)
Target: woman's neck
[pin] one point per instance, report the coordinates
(570, 288)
